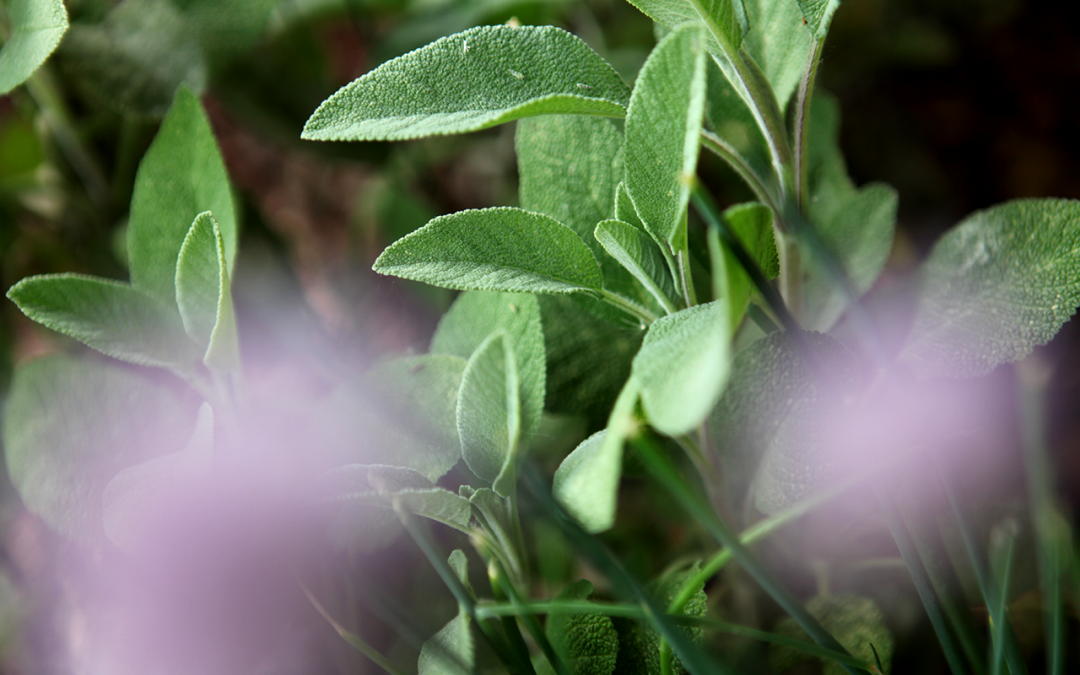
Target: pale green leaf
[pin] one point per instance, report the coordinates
(663, 127)
(181, 176)
(818, 15)
(137, 58)
(109, 316)
(587, 643)
(71, 424)
(475, 316)
(752, 224)
(770, 424)
(854, 620)
(586, 484)
(391, 487)
(683, 366)
(997, 285)
(473, 80)
(498, 249)
(856, 224)
(489, 413)
(36, 28)
(204, 296)
(726, 19)
(451, 651)
(779, 44)
(137, 494)
(637, 252)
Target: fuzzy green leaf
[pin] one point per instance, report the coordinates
(778, 44)
(475, 316)
(663, 127)
(499, 249)
(856, 224)
(586, 484)
(731, 120)
(489, 413)
(726, 19)
(818, 15)
(181, 176)
(855, 621)
(69, 426)
(752, 224)
(496, 515)
(997, 285)
(683, 366)
(36, 28)
(451, 651)
(132, 498)
(204, 295)
(637, 252)
(587, 643)
(470, 81)
(137, 58)
(109, 316)
(639, 643)
(391, 487)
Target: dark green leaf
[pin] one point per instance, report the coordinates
(204, 296)
(227, 32)
(663, 127)
(36, 28)
(71, 424)
(779, 44)
(181, 176)
(731, 120)
(587, 643)
(475, 316)
(489, 413)
(855, 621)
(109, 316)
(470, 81)
(683, 366)
(639, 643)
(752, 224)
(499, 249)
(997, 285)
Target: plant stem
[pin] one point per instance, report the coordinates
(629, 306)
(531, 624)
(354, 640)
(802, 119)
(1004, 572)
(736, 162)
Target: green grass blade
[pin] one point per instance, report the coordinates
(354, 640)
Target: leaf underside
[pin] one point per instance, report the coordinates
(36, 28)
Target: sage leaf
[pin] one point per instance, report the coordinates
(637, 252)
(854, 620)
(639, 643)
(997, 285)
(36, 28)
(138, 494)
(498, 249)
(451, 651)
(663, 127)
(71, 424)
(475, 316)
(752, 224)
(181, 176)
(586, 484)
(111, 317)
(391, 487)
(818, 15)
(586, 643)
(777, 43)
(204, 296)
(731, 120)
(470, 81)
(496, 515)
(726, 19)
(489, 413)
(683, 366)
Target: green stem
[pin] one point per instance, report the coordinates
(531, 624)
(1004, 569)
(354, 640)
(802, 120)
(739, 165)
(628, 306)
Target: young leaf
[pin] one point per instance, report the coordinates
(752, 224)
(683, 366)
(498, 249)
(854, 620)
(726, 19)
(778, 44)
(496, 515)
(637, 252)
(109, 316)
(997, 285)
(204, 296)
(470, 81)
(36, 28)
(392, 487)
(71, 424)
(489, 413)
(587, 643)
(731, 120)
(586, 484)
(134, 496)
(818, 15)
(663, 133)
(451, 650)
(475, 316)
(181, 176)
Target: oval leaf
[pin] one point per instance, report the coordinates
(489, 413)
(499, 249)
(470, 81)
(109, 316)
(663, 129)
(997, 285)
(683, 366)
(204, 296)
(36, 28)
